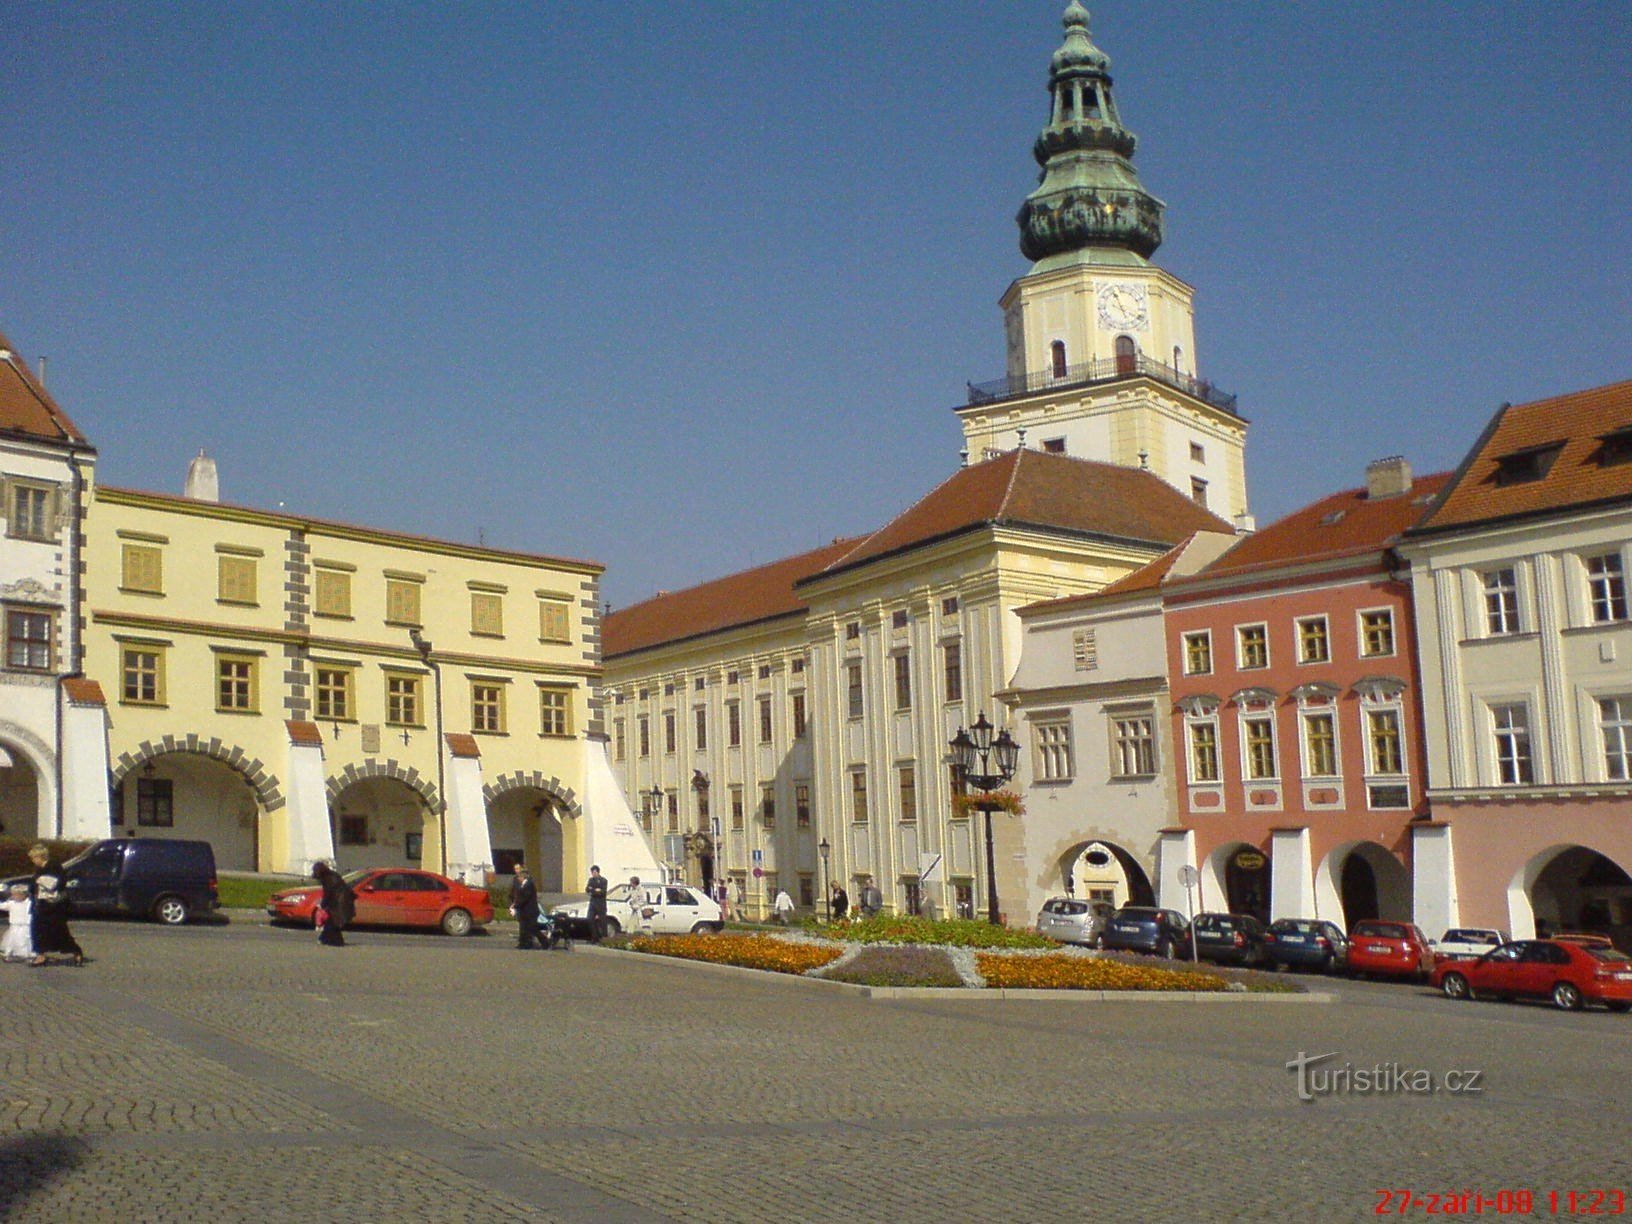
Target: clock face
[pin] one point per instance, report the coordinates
(1124, 307)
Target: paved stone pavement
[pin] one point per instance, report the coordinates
(240, 1072)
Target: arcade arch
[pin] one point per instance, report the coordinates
(1104, 871)
(1235, 877)
(1359, 880)
(1570, 887)
(382, 821)
(198, 795)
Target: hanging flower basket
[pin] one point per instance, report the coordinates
(997, 801)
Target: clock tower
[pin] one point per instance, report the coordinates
(1101, 359)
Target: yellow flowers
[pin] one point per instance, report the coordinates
(1084, 973)
(746, 951)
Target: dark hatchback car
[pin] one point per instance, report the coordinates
(166, 879)
(1144, 928)
(1308, 943)
(1230, 939)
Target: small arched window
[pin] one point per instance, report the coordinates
(1056, 353)
(1127, 355)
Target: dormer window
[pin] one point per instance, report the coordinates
(1616, 447)
(1528, 465)
(1056, 357)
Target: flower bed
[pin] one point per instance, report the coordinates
(875, 966)
(950, 932)
(745, 951)
(1062, 972)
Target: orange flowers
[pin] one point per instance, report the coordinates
(746, 951)
(1084, 973)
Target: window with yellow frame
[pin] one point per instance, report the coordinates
(331, 591)
(404, 699)
(236, 683)
(486, 707)
(141, 674)
(142, 569)
(235, 579)
(332, 688)
(555, 710)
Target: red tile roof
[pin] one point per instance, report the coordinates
(1028, 488)
(744, 598)
(82, 692)
(304, 734)
(463, 745)
(1346, 524)
(25, 407)
(1576, 477)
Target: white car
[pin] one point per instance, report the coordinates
(1467, 943)
(657, 909)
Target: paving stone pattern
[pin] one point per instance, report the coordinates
(234, 1072)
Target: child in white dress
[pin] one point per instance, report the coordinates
(18, 942)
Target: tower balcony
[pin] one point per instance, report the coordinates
(1098, 373)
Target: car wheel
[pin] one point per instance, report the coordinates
(707, 928)
(1455, 986)
(457, 922)
(1618, 1007)
(172, 911)
(612, 928)
(1326, 965)
(1567, 997)
(1165, 949)
(1099, 943)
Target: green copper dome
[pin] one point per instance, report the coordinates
(1089, 205)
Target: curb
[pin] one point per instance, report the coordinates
(965, 994)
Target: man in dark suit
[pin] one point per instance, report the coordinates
(524, 905)
(596, 888)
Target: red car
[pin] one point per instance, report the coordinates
(1567, 973)
(1394, 949)
(396, 896)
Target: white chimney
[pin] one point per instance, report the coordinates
(202, 483)
(1245, 524)
(1389, 477)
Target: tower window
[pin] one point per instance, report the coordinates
(1198, 491)
(1127, 354)
(1054, 446)
(1056, 353)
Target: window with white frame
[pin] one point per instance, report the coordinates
(1133, 744)
(1252, 646)
(1615, 724)
(902, 664)
(1606, 588)
(1198, 653)
(1320, 745)
(1500, 588)
(1377, 633)
(1314, 643)
(28, 639)
(853, 691)
(1383, 741)
(1510, 729)
(1052, 750)
(1203, 751)
(1258, 746)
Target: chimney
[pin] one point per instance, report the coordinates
(1389, 477)
(1245, 524)
(202, 484)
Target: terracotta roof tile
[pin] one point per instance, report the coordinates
(743, 598)
(83, 692)
(1345, 524)
(304, 734)
(1038, 489)
(462, 745)
(26, 408)
(1575, 477)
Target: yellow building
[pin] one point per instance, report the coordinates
(291, 689)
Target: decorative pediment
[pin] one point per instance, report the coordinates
(1316, 693)
(31, 590)
(1379, 688)
(1254, 698)
(1199, 705)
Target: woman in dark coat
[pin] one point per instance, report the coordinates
(49, 888)
(339, 905)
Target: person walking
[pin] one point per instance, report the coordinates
(524, 908)
(872, 901)
(338, 902)
(18, 943)
(48, 889)
(783, 907)
(596, 888)
(838, 902)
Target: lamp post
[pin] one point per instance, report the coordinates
(423, 645)
(986, 764)
(824, 849)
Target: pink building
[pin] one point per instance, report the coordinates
(1296, 719)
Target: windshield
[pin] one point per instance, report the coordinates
(1291, 925)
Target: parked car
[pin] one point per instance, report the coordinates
(1568, 973)
(1229, 939)
(1583, 939)
(168, 880)
(1307, 943)
(1144, 928)
(395, 896)
(1467, 943)
(1393, 949)
(659, 909)
(1071, 921)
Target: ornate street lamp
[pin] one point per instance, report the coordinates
(986, 764)
(824, 849)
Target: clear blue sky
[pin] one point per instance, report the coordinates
(686, 287)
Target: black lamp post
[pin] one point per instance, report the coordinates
(824, 849)
(423, 646)
(986, 764)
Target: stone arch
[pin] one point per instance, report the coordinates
(563, 794)
(389, 768)
(1335, 887)
(40, 758)
(1227, 883)
(261, 779)
(1122, 873)
(1521, 892)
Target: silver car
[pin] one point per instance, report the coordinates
(1069, 920)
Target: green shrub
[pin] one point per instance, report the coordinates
(14, 853)
(954, 932)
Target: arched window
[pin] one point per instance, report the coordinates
(1057, 357)
(1127, 355)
